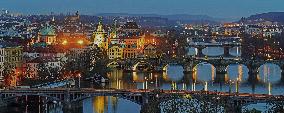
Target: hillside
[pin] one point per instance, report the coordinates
(271, 16)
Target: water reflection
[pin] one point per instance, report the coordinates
(236, 78)
(237, 74)
(215, 51)
(269, 73)
(103, 104)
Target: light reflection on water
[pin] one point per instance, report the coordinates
(102, 104)
(268, 73)
(215, 51)
(204, 72)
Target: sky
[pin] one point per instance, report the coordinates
(214, 8)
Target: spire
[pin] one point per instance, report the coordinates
(77, 13)
(100, 20)
(53, 19)
(100, 25)
(114, 26)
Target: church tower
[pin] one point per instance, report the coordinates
(100, 35)
(113, 33)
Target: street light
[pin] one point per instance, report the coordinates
(64, 42)
(80, 42)
(156, 76)
(146, 83)
(79, 83)
(237, 84)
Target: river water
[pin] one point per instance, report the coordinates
(269, 74)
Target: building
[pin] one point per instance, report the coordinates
(47, 35)
(32, 67)
(2, 60)
(13, 57)
(150, 51)
(131, 49)
(100, 36)
(79, 57)
(131, 29)
(115, 51)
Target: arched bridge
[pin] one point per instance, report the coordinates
(141, 97)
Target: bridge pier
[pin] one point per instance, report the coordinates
(221, 71)
(188, 73)
(199, 51)
(253, 72)
(2, 103)
(226, 51)
(66, 100)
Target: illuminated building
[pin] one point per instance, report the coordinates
(150, 51)
(115, 51)
(47, 35)
(131, 49)
(13, 57)
(32, 67)
(131, 29)
(100, 36)
(12, 62)
(72, 25)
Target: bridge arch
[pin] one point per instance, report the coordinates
(113, 64)
(67, 98)
(237, 72)
(202, 76)
(137, 63)
(208, 51)
(269, 72)
(137, 99)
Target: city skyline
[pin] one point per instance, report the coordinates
(220, 9)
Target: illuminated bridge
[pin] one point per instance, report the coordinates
(234, 101)
(189, 63)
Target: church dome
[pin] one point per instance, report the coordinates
(47, 31)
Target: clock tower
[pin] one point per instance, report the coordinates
(100, 35)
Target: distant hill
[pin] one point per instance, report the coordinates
(183, 18)
(271, 16)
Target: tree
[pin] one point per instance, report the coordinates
(47, 73)
(179, 104)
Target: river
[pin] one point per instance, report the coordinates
(269, 74)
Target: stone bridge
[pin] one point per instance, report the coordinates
(221, 65)
(231, 101)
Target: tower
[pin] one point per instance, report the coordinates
(100, 36)
(113, 33)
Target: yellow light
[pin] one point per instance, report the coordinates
(80, 42)
(64, 42)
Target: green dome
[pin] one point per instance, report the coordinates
(47, 31)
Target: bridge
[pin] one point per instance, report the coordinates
(234, 101)
(200, 43)
(220, 64)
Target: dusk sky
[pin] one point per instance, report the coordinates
(214, 8)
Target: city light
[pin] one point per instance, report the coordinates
(80, 42)
(145, 59)
(64, 42)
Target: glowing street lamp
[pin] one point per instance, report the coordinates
(80, 42)
(64, 42)
(79, 83)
